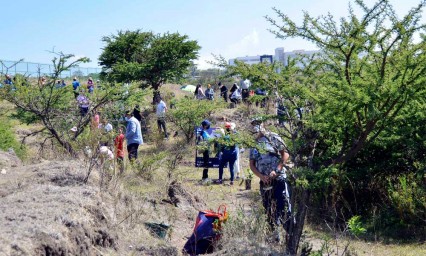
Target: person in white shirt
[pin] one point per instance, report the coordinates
(161, 116)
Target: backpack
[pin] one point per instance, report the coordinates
(259, 91)
(236, 94)
(207, 228)
(209, 94)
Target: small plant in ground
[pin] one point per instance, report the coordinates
(355, 226)
(146, 166)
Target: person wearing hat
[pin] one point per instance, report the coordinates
(133, 135)
(269, 165)
(228, 149)
(75, 86)
(90, 85)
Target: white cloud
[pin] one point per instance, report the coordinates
(202, 62)
(243, 46)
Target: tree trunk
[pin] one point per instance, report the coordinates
(65, 144)
(296, 226)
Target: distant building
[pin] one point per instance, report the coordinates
(279, 56)
(247, 59)
(266, 59)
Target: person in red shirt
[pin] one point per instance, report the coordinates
(119, 149)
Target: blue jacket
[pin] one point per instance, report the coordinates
(133, 131)
(75, 85)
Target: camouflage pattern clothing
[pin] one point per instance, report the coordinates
(267, 156)
(275, 195)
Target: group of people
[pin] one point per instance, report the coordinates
(228, 150)
(133, 133)
(90, 85)
(267, 161)
(237, 93)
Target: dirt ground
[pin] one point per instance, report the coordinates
(47, 209)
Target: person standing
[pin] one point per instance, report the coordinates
(133, 135)
(83, 103)
(161, 116)
(199, 93)
(223, 91)
(269, 165)
(90, 85)
(228, 149)
(245, 85)
(119, 149)
(75, 86)
(204, 138)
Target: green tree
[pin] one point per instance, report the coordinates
(189, 113)
(145, 57)
(56, 108)
(368, 72)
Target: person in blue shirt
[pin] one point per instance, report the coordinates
(75, 85)
(204, 136)
(133, 135)
(8, 80)
(229, 154)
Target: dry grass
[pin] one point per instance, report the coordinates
(133, 199)
(336, 243)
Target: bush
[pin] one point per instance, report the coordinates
(8, 139)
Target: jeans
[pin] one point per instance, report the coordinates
(276, 202)
(133, 150)
(230, 160)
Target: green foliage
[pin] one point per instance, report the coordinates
(363, 103)
(355, 226)
(147, 57)
(8, 139)
(189, 113)
(407, 195)
(56, 108)
(248, 173)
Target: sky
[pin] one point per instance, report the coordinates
(31, 30)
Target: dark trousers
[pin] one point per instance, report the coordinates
(84, 111)
(276, 202)
(230, 160)
(133, 150)
(245, 94)
(161, 123)
(206, 164)
(225, 96)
